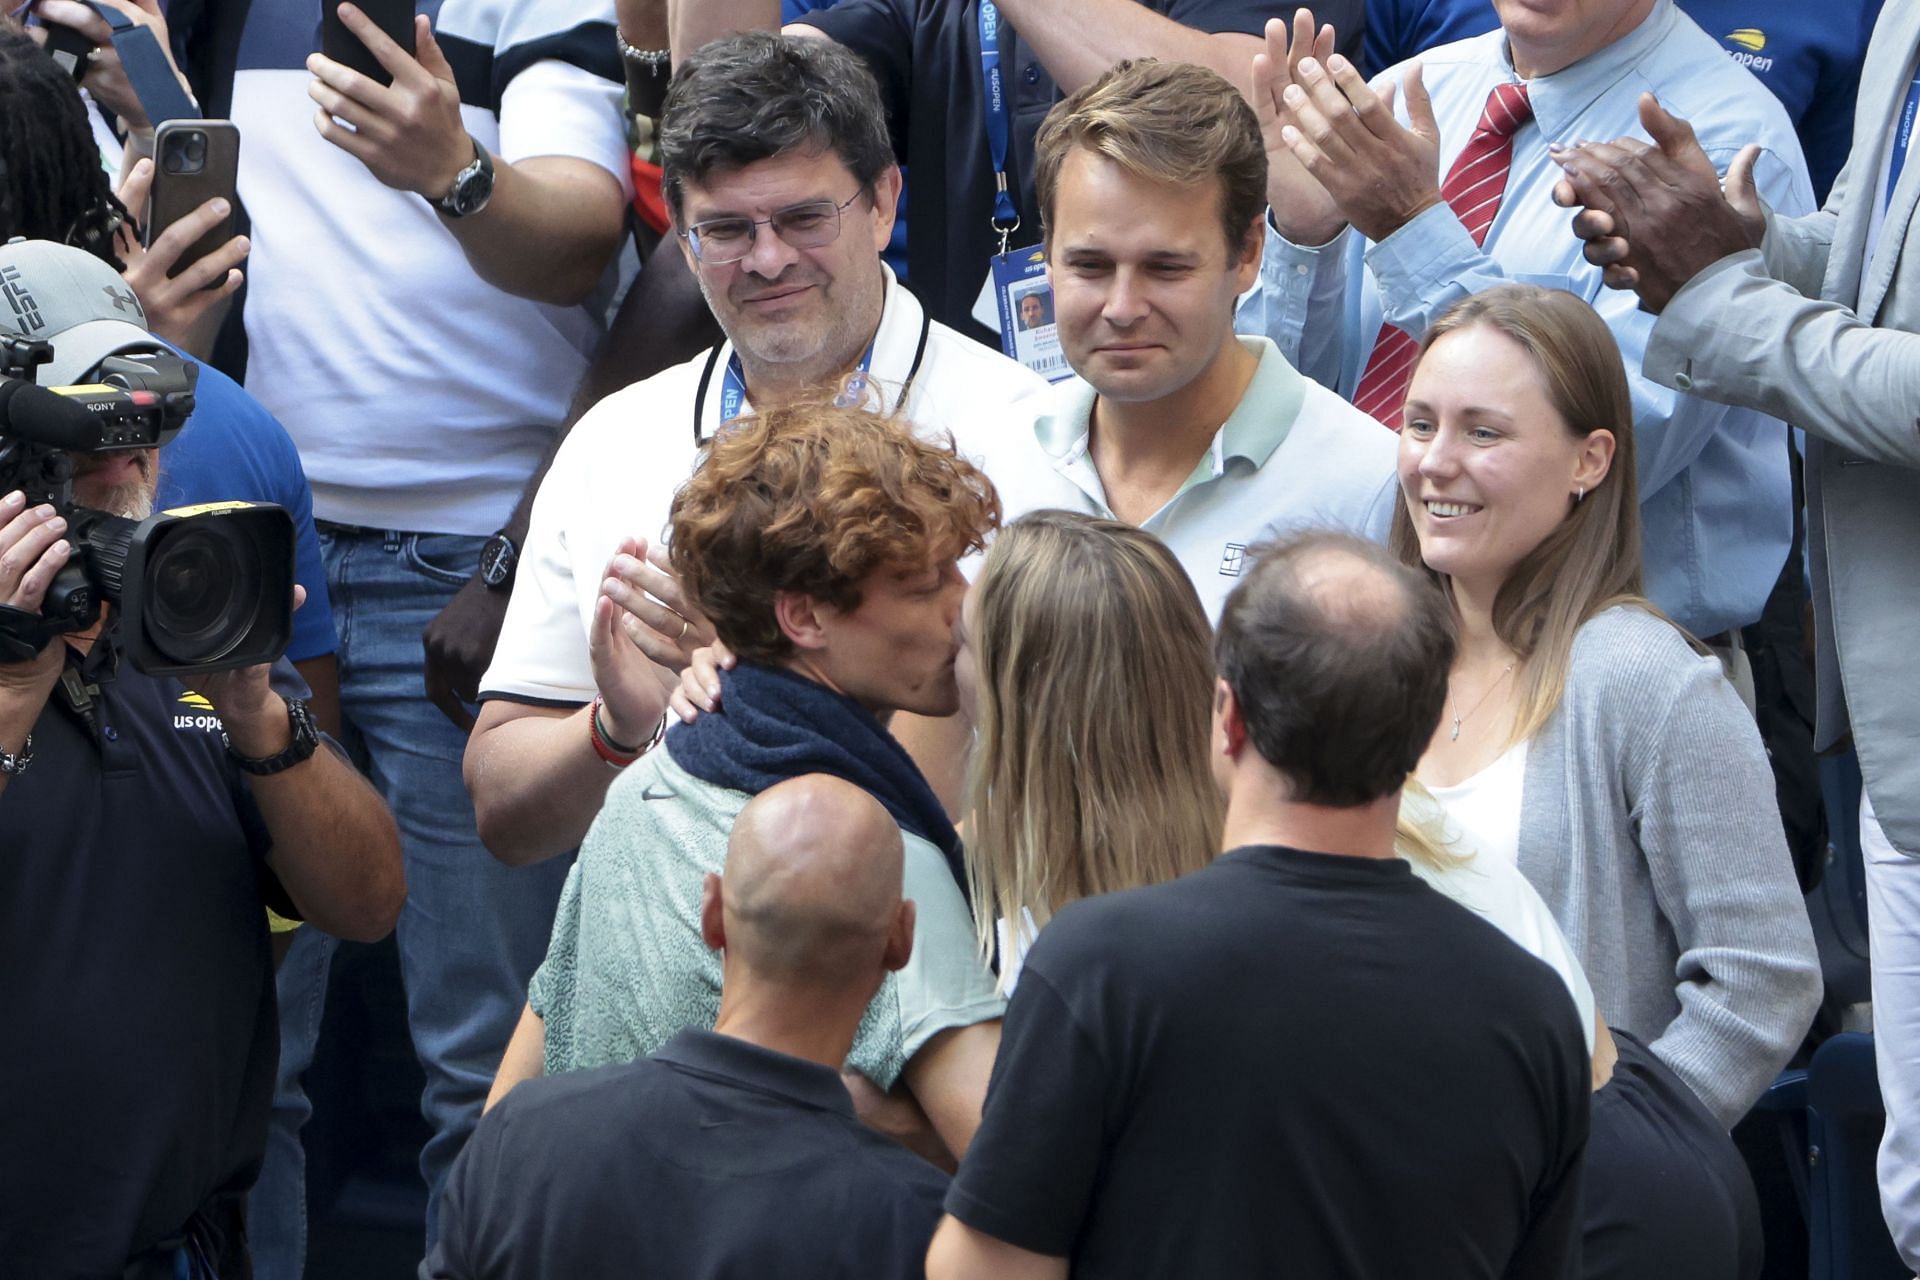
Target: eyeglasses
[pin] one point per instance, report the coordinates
(718, 241)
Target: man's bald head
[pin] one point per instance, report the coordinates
(811, 891)
(1337, 658)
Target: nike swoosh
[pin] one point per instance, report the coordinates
(653, 791)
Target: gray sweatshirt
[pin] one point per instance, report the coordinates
(1648, 823)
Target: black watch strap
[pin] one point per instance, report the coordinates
(306, 740)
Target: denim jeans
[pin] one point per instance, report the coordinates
(277, 1205)
(473, 929)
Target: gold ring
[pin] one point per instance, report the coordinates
(684, 625)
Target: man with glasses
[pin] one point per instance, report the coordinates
(781, 182)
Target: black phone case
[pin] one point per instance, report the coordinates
(395, 17)
(175, 195)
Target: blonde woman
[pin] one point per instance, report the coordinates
(1087, 670)
(1585, 737)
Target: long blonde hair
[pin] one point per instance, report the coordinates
(1591, 561)
(1095, 665)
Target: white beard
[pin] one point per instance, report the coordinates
(130, 501)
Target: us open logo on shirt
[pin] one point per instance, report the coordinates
(1750, 41)
(198, 716)
(1233, 560)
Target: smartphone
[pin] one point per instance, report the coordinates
(193, 161)
(395, 17)
(67, 47)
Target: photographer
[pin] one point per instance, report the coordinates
(145, 825)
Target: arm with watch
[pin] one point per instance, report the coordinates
(335, 850)
(411, 137)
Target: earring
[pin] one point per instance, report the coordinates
(1580, 494)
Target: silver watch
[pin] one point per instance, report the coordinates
(472, 187)
(13, 764)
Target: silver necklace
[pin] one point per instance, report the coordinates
(1504, 673)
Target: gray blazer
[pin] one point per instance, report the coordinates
(1793, 330)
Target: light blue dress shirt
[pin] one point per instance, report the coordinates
(1715, 492)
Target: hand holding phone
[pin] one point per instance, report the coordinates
(410, 135)
(194, 161)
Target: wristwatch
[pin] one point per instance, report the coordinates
(498, 560)
(472, 187)
(13, 764)
(306, 740)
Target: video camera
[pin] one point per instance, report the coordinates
(197, 589)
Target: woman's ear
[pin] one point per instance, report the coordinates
(1594, 460)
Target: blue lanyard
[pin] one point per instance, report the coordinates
(733, 388)
(1006, 218)
(1903, 136)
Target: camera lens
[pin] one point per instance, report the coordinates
(203, 592)
(196, 148)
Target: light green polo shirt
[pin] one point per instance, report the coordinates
(627, 969)
(1292, 455)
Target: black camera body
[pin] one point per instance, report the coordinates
(197, 589)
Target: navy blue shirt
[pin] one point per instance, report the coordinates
(134, 977)
(232, 448)
(926, 56)
(713, 1158)
(1807, 54)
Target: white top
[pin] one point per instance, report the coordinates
(421, 397)
(1291, 455)
(1013, 948)
(1484, 811)
(616, 475)
(1495, 891)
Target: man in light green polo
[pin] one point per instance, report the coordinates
(1152, 182)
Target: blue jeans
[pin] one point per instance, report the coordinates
(277, 1205)
(473, 929)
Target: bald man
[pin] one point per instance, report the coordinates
(733, 1151)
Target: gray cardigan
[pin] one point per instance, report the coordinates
(1648, 823)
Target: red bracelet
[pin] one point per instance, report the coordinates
(616, 757)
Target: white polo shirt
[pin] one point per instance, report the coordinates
(616, 474)
(1292, 455)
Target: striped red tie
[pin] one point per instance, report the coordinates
(1473, 188)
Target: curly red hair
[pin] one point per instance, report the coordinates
(811, 498)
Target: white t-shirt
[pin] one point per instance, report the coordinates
(1292, 455)
(616, 475)
(1485, 809)
(1496, 891)
(420, 396)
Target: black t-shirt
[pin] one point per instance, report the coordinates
(135, 981)
(926, 55)
(1285, 1064)
(713, 1158)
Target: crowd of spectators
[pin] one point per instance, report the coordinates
(968, 638)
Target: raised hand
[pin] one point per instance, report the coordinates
(409, 134)
(644, 633)
(1379, 172)
(106, 80)
(1655, 215)
(177, 306)
(1302, 210)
